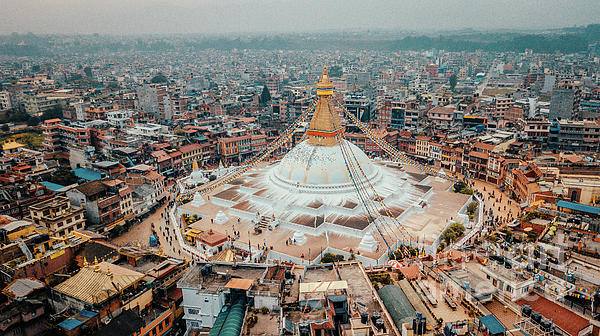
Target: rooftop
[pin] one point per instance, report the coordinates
(95, 283)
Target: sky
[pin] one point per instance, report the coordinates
(124, 17)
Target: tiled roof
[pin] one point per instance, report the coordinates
(91, 286)
(91, 188)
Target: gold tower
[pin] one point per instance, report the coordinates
(325, 124)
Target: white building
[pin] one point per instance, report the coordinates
(147, 130)
(119, 118)
(206, 288)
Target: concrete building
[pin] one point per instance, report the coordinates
(565, 100)
(101, 202)
(359, 106)
(441, 117)
(574, 135)
(58, 215)
(151, 100)
(59, 138)
(210, 289)
(119, 118)
(5, 103)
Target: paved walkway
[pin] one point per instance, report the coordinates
(493, 198)
(139, 234)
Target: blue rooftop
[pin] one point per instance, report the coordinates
(52, 186)
(70, 324)
(492, 324)
(579, 207)
(87, 313)
(87, 174)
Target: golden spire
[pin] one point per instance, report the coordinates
(195, 165)
(96, 266)
(85, 262)
(325, 124)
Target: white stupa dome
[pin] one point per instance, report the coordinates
(299, 238)
(309, 165)
(198, 200)
(368, 243)
(221, 218)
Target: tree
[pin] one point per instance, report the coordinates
(63, 176)
(452, 82)
(35, 68)
(265, 96)
(330, 257)
(463, 188)
(5, 128)
(472, 207)
(55, 112)
(159, 78)
(453, 231)
(34, 121)
(88, 71)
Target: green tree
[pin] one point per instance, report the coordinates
(330, 257)
(452, 82)
(55, 112)
(35, 68)
(159, 78)
(5, 128)
(453, 231)
(472, 207)
(34, 121)
(63, 176)
(88, 71)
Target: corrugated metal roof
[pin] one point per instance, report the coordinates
(237, 283)
(229, 321)
(323, 286)
(92, 286)
(70, 324)
(397, 304)
(492, 324)
(579, 207)
(22, 287)
(87, 174)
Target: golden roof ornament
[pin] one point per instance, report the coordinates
(96, 266)
(325, 125)
(85, 262)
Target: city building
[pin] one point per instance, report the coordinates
(58, 215)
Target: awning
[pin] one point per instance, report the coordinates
(309, 287)
(237, 283)
(491, 323)
(579, 207)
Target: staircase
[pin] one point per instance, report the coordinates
(24, 249)
(263, 224)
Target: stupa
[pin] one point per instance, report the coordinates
(197, 175)
(198, 200)
(368, 243)
(311, 194)
(221, 218)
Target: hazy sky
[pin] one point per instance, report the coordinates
(226, 16)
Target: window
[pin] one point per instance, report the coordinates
(193, 311)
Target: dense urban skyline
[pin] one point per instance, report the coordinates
(309, 168)
(250, 16)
